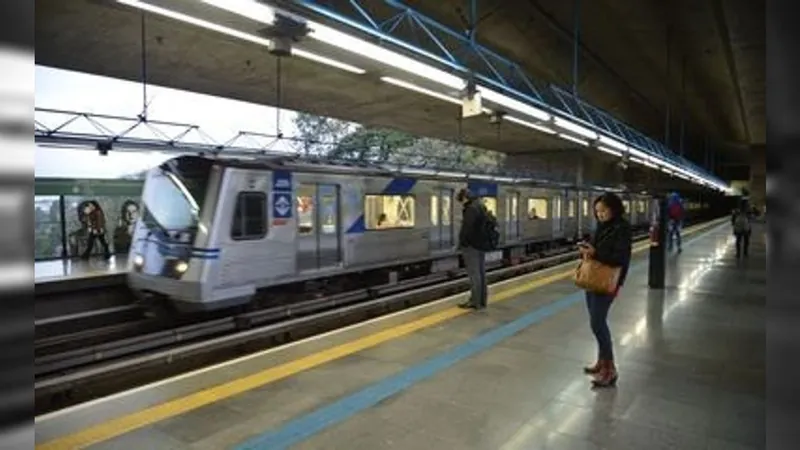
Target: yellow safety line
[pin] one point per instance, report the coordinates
(121, 425)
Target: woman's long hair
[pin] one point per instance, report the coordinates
(613, 202)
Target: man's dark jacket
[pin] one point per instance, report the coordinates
(470, 222)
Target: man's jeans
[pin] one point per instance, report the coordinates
(475, 263)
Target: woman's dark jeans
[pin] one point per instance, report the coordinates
(598, 306)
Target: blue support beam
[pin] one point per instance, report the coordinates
(460, 53)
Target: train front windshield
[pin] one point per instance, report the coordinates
(173, 196)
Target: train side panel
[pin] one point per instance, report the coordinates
(385, 229)
(257, 241)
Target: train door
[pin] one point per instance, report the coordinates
(318, 236)
(626, 203)
(512, 216)
(641, 211)
(571, 221)
(558, 208)
(586, 214)
(441, 236)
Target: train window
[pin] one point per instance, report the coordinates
(328, 199)
(435, 209)
(571, 208)
(441, 207)
(557, 208)
(383, 212)
(537, 208)
(585, 207)
(306, 209)
(447, 207)
(249, 216)
(626, 206)
(641, 206)
(514, 207)
(491, 204)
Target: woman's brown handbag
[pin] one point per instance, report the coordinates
(593, 276)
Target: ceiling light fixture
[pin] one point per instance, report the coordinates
(534, 126)
(573, 139)
(420, 89)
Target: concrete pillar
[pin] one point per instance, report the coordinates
(758, 177)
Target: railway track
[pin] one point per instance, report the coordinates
(66, 373)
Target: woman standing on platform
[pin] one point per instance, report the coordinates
(611, 246)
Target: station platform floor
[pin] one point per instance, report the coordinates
(691, 362)
(67, 269)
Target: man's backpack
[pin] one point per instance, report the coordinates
(741, 224)
(487, 236)
(675, 211)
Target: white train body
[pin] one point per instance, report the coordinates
(214, 232)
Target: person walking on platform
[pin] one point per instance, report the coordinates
(741, 220)
(478, 235)
(96, 229)
(611, 245)
(675, 212)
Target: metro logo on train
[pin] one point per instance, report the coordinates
(282, 205)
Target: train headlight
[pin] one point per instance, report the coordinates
(138, 260)
(181, 267)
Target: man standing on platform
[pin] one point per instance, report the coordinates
(478, 235)
(675, 213)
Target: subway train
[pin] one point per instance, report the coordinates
(217, 233)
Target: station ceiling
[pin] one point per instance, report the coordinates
(717, 63)
(715, 78)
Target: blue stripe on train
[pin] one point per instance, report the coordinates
(397, 186)
(482, 188)
(179, 250)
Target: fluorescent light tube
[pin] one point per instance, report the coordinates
(353, 44)
(247, 8)
(637, 153)
(195, 21)
(609, 151)
(525, 123)
(420, 89)
(575, 128)
(480, 177)
(260, 12)
(451, 174)
(516, 105)
(325, 60)
(636, 160)
(573, 139)
(613, 143)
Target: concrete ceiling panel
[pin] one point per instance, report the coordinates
(622, 65)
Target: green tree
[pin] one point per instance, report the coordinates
(343, 140)
(435, 152)
(371, 144)
(318, 134)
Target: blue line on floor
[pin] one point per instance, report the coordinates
(304, 427)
